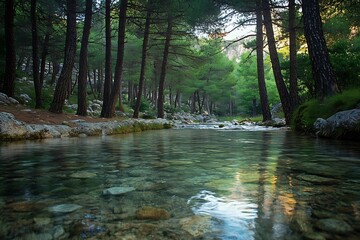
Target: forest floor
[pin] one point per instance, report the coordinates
(42, 116)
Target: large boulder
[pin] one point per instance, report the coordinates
(344, 125)
(5, 100)
(10, 128)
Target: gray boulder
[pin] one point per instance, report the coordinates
(344, 125)
(5, 100)
(10, 128)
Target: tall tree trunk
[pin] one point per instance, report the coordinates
(62, 86)
(83, 61)
(108, 73)
(143, 62)
(324, 75)
(116, 89)
(43, 58)
(280, 84)
(35, 53)
(294, 96)
(260, 63)
(55, 71)
(10, 65)
(160, 101)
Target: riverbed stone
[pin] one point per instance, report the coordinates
(83, 175)
(149, 212)
(333, 225)
(197, 225)
(42, 221)
(64, 208)
(118, 190)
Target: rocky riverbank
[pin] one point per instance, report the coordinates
(13, 129)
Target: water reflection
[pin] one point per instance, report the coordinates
(254, 185)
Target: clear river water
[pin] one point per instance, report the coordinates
(181, 184)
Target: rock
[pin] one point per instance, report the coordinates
(40, 236)
(83, 175)
(64, 208)
(196, 225)
(10, 128)
(117, 190)
(148, 212)
(24, 98)
(42, 221)
(5, 100)
(344, 125)
(58, 231)
(333, 225)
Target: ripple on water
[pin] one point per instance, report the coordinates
(236, 217)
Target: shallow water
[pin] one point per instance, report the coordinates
(204, 184)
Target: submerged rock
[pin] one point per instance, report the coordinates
(64, 208)
(83, 175)
(197, 225)
(334, 225)
(148, 212)
(117, 190)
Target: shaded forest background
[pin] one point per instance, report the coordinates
(152, 57)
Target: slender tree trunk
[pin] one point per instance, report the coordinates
(324, 75)
(280, 84)
(55, 71)
(8, 86)
(164, 68)
(43, 58)
(116, 91)
(260, 63)
(294, 96)
(35, 53)
(62, 86)
(143, 62)
(108, 74)
(83, 62)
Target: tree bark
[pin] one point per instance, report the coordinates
(160, 101)
(35, 53)
(43, 58)
(83, 61)
(294, 95)
(62, 86)
(143, 62)
(324, 75)
(280, 84)
(10, 64)
(260, 63)
(116, 89)
(108, 74)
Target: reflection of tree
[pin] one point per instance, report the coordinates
(262, 222)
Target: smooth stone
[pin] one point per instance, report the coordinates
(334, 225)
(118, 190)
(41, 236)
(58, 231)
(148, 212)
(42, 221)
(64, 208)
(83, 175)
(197, 225)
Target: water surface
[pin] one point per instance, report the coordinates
(204, 184)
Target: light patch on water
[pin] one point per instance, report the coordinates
(236, 217)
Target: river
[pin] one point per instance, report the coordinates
(181, 184)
